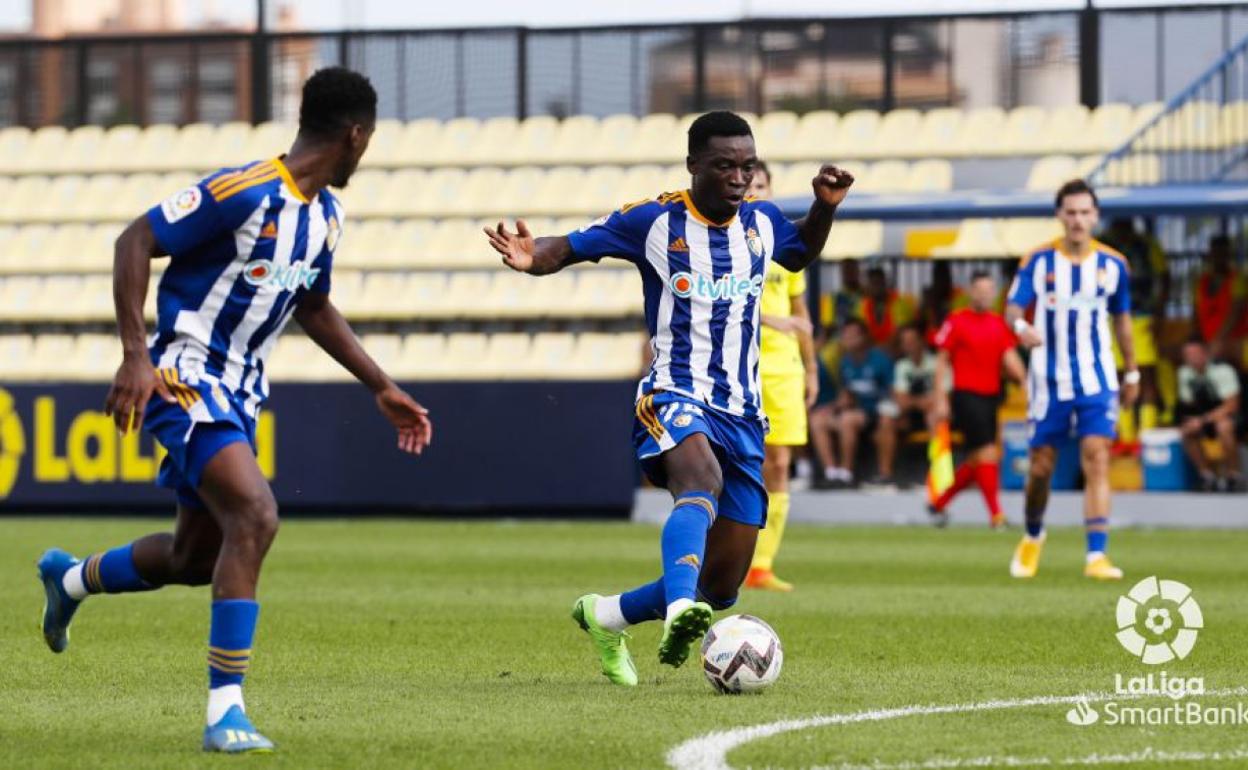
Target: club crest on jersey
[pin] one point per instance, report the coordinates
(181, 205)
(686, 285)
(262, 272)
(754, 242)
(332, 231)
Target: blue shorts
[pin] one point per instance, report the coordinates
(665, 419)
(205, 419)
(1095, 415)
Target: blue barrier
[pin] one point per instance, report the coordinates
(538, 448)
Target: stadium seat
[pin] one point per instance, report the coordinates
(534, 142)
(464, 355)
(15, 360)
(776, 136)
(559, 190)
(885, 176)
(853, 239)
(576, 141)
(156, 147)
(982, 133)
(1022, 236)
(454, 141)
(13, 143)
(1026, 131)
(95, 357)
(939, 133)
(1050, 172)
(51, 356)
(463, 295)
(420, 357)
(1234, 120)
(297, 358)
(616, 140)
(1194, 126)
(403, 245)
(976, 238)
(347, 291)
(223, 148)
(817, 135)
(856, 135)
(1134, 169)
(383, 147)
(930, 175)
(385, 349)
(895, 136)
(657, 140)
(606, 357)
(506, 357)
(517, 194)
(417, 144)
(81, 152)
(493, 143)
(1065, 128)
(43, 152)
(24, 196)
(362, 244)
(550, 356)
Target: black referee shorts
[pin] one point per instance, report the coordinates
(975, 417)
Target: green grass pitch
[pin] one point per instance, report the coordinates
(396, 644)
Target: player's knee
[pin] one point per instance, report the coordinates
(775, 465)
(193, 567)
(256, 520)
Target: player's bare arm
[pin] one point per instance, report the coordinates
(524, 253)
(328, 329)
(831, 185)
(806, 343)
(1014, 368)
(136, 377)
(1126, 344)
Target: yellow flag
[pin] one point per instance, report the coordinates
(940, 462)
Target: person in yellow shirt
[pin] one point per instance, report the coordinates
(790, 380)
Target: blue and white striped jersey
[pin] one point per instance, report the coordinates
(245, 246)
(1074, 300)
(702, 282)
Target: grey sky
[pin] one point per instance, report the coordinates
(333, 14)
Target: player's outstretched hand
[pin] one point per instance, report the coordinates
(132, 388)
(832, 184)
(410, 418)
(517, 248)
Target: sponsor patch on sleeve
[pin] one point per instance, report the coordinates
(182, 204)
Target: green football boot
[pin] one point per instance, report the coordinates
(617, 664)
(683, 631)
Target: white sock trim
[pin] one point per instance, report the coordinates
(220, 699)
(609, 614)
(71, 581)
(1094, 555)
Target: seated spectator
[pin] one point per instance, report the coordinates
(913, 378)
(1221, 303)
(1208, 408)
(884, 310)
(843, 303)
(863, 405)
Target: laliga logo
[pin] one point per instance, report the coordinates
(1166, 614)
(12, 444)
(685, 285)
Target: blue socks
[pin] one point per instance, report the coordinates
(684, 544)
(1097, 532)
(1034, 522)
(113, 572)
(645, 603)
(229, 640)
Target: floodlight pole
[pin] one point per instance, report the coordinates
(261, 72)
(1090, 56)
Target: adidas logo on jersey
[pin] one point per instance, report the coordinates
(678, 245)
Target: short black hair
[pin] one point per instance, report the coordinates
(1075, 187)
(334, 99)
(717, 123)
(856, 321)
(979, 274)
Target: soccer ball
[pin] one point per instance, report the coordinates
(741, 654)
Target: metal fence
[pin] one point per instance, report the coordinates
(761, 65)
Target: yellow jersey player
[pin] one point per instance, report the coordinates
(790, 385)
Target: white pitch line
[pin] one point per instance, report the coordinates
(710, 751)
(1143, 755)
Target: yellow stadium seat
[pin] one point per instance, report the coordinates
(775, 136)
(982, 133)
(25, 198)
(506, 356)
(657, 140)
(68, 250)
(976, 238)
(193, 149)
(383, 147)
(119, 149)
(10, 260)
(851, 239)
(1135, 169)
(493, 142)
(365, 196)
(66, 199)
(154, 149)
(405, 244)
(402, 192)
(459, 244)
(533, 142)
(790, 180)
(561, 190)
(516, 195)
(13, 143)
(674, 176)
(616, 140)
(479, 194)
(1022, 236)
(95, 357)
(137, 193)
(1234, 120)
(603, 293)
(1026, 131)
(82, 151)
(445, 184)
(63, 298)
(1196, 125)
(550, 356)
(29, 248)
(855, 137)
(418, 143)
(885, 176)
(940, 132)
(420, 356)
(297, 358)
(578, 140)
(640, 183)
(227, 147)
(606, 357)
(385, 349)
(464, 292)
(930, 175)
(1108, 127)
(42, 154)
(15, 363)
(384, 297)
(514, 295)
(455, 142)
(50, 356)
(894, 138)
(348, 291)
(464, 356)
(424, 295)
(1050, 172)
(1065, 129)
(363, 245)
